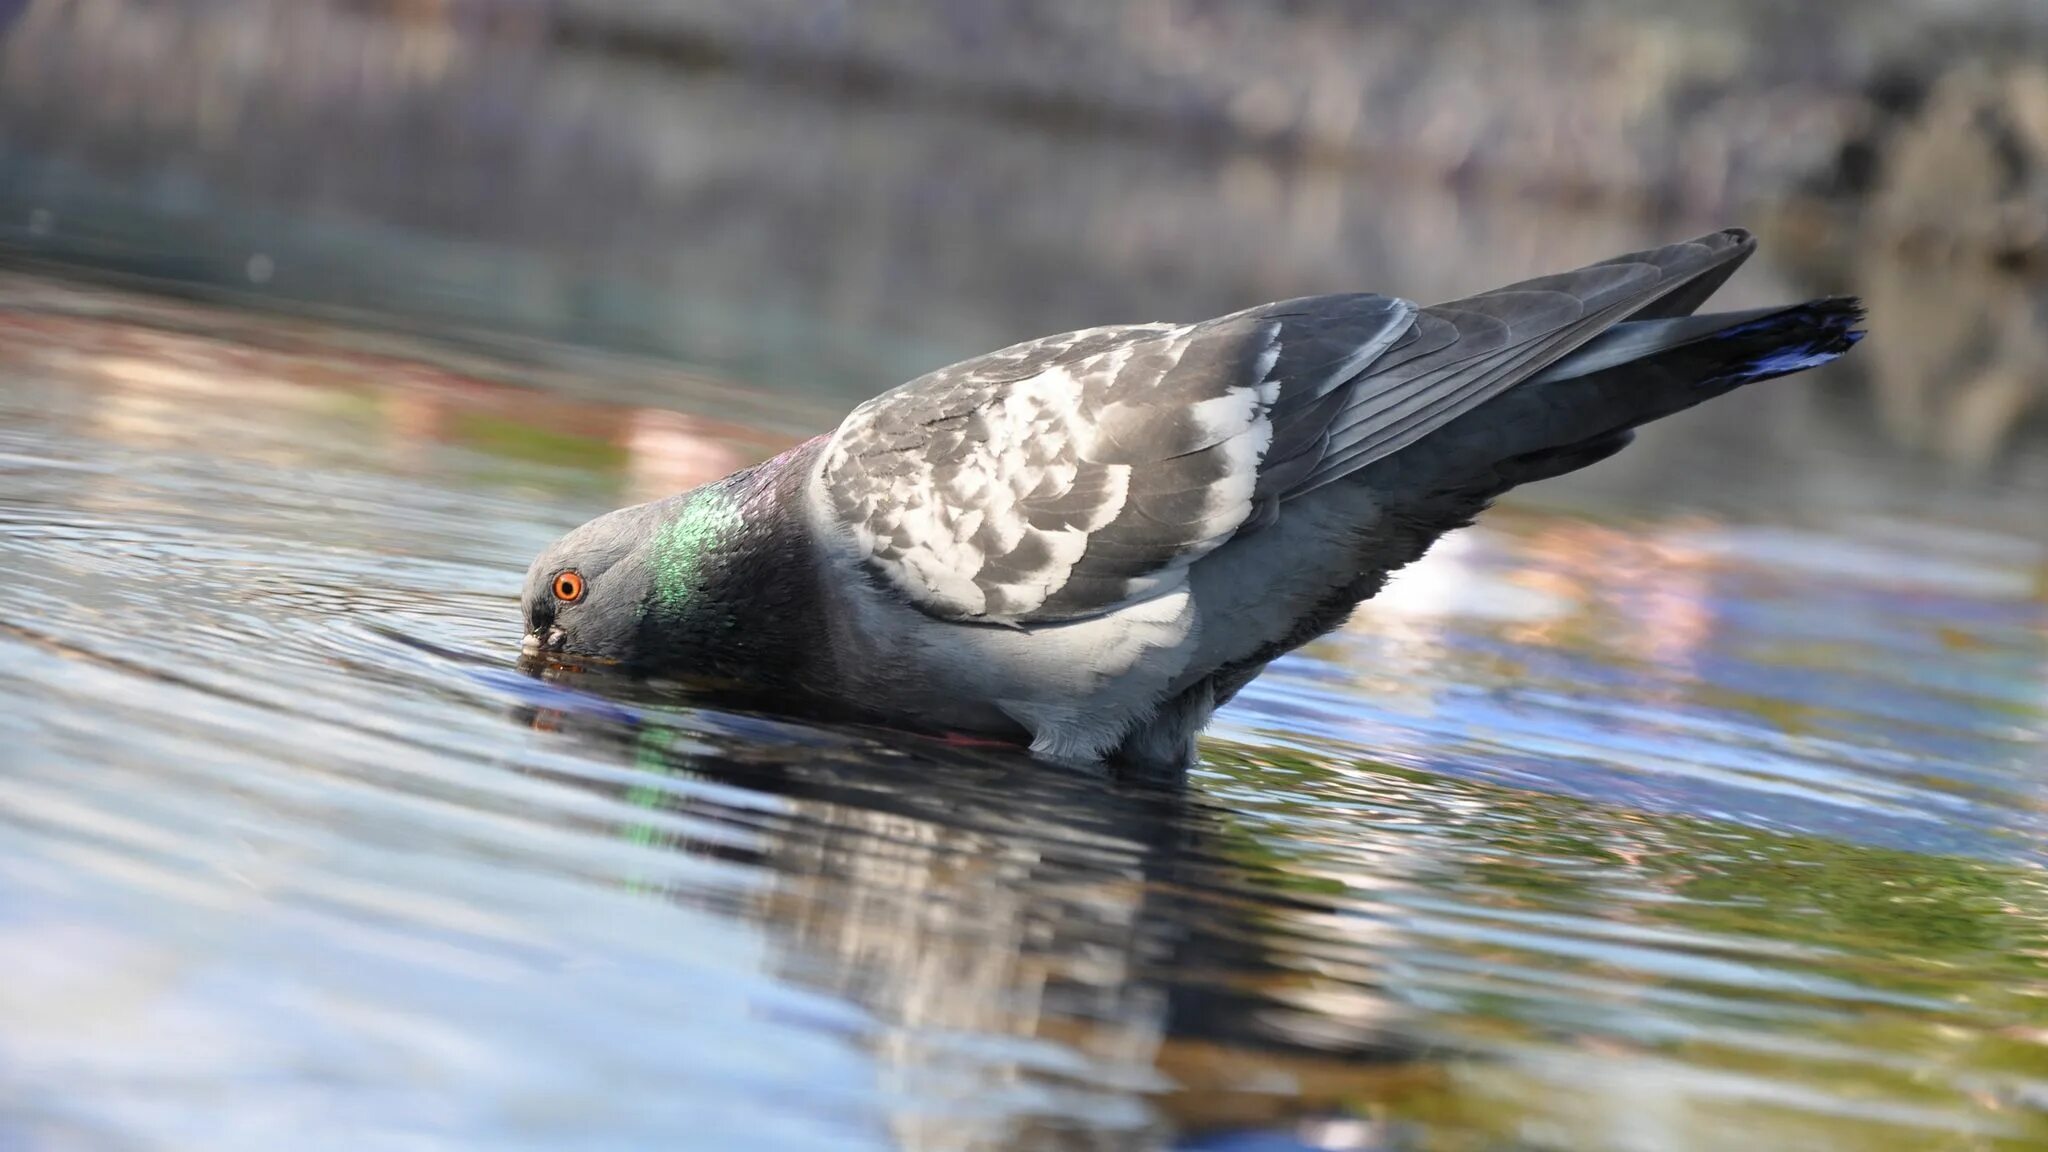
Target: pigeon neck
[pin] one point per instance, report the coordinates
(731, 590)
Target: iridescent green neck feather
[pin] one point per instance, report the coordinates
(684, 546)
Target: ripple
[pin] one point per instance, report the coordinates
(1585, 836)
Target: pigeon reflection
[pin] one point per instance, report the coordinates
(1059, 959)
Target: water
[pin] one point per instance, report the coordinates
(1696, 803)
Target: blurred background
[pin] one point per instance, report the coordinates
(829, 197)
(1694, 801)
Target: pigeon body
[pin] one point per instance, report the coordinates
(1090, 541)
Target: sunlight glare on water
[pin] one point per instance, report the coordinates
(1616, 826)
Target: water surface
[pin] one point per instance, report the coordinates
(1696, 803)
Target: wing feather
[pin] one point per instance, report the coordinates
(1068, 476)
(1064, 476)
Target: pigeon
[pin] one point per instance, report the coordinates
(1088, 542)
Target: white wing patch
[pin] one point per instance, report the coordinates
(989, 512)
(1081, 473)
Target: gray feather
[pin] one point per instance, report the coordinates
(1545, 320)
(1635, 339)
(1068, 476)
(1090, 467)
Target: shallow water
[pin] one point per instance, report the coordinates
(1696, 803)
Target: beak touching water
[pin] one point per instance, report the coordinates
(534, 643)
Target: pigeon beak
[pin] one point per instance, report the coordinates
(533, 644)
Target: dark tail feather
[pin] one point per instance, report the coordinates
(1800, 337)
(1705, 357)
(1582, 409)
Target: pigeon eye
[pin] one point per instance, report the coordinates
(569, 586)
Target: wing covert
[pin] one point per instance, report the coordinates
(1063, 477)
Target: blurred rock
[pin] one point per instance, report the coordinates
(1969, 169)
(1702, 106)
(1960, 364)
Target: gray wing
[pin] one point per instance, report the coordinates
(1068, 476)
(1065, 476)
(1462, 354)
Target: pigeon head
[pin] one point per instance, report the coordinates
(585, 593)
(657, 588)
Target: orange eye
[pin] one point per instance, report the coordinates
(569, 586)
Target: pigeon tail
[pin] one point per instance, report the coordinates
(1792, 340)
(1736, 349)
(1584, 408)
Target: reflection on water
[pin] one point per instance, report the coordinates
(1641, 827)
(1056, 959)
